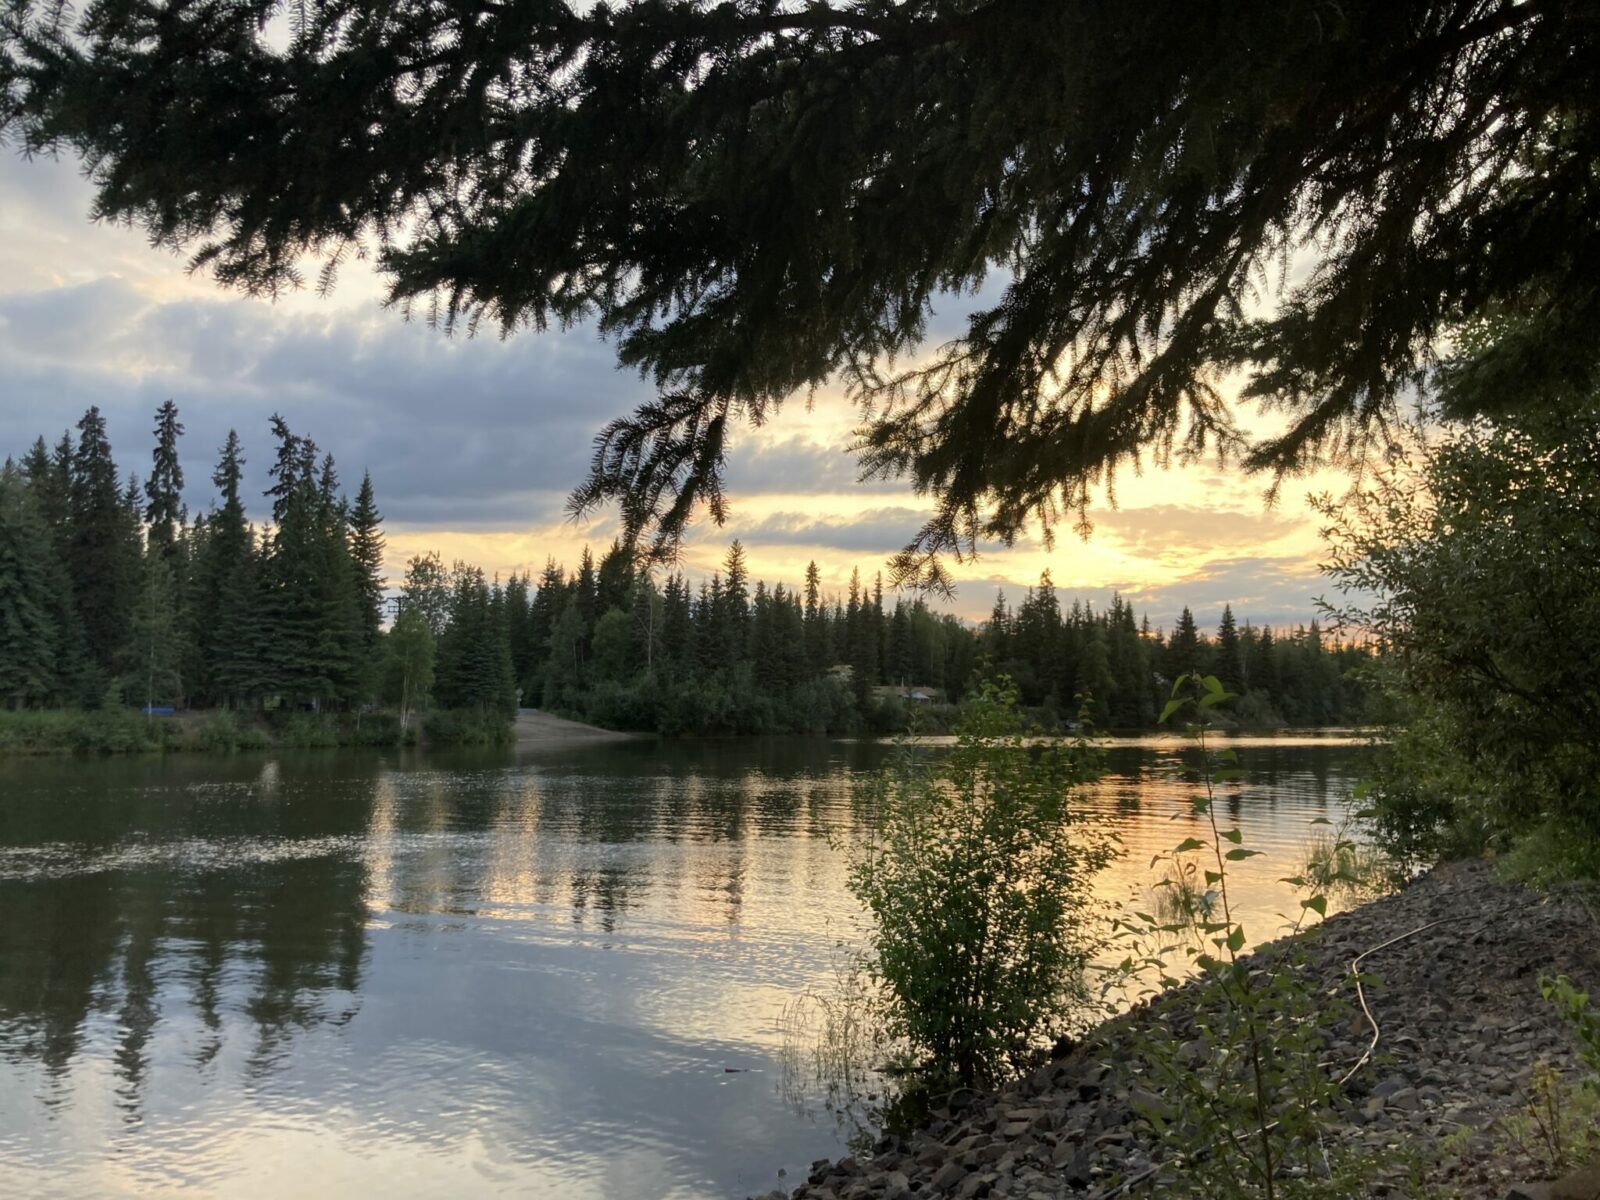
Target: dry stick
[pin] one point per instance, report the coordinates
(1366, 1055)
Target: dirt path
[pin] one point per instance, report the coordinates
(539, 728)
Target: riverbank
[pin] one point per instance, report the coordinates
(1462, 1029)
(535, 728)
(34, 732)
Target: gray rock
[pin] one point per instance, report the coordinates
(947, 1176)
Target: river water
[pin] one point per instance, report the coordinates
(532, 973)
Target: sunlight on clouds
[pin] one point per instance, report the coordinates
(474, 444)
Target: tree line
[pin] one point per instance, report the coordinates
(113, 592)
(1124, 668)
(609, 643)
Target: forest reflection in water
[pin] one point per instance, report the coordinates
(481, 973)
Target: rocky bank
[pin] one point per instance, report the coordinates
(1462, 1026)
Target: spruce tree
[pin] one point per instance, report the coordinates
(1230, 657)
(288, 468)
(677, 624)
(1184, 652)
(735, 613)
(153, 673)
(164, 488)
(27, 625)
(49, 477)
(816, 629)
(366, 548)
(226, 613)
(614, 580)
(101, 560)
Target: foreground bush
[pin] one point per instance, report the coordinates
(977, 883)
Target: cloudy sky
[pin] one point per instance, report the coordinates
(473, 444)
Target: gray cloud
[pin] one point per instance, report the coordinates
(492, 432)
(461, 434)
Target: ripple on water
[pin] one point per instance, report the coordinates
(343, 975)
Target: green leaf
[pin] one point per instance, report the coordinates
(1213, 877)
(1317, 904)
(1189, 844)
(1233, 835)
(1240, 855)
(1171, 707)
(1236, 938)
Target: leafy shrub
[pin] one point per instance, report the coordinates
(1584, 1019)
(977, 882)
(1478, 565)
(1246, 1095)
(305, 731)
(466, 727)
(220, 731)
(371, 729)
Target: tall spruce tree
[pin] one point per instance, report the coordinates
(102, 558)
(226, 613)
(163, 488)
(1183, 652)
(27, 625)
(49, 477)
(366, 548)
(1230, 656)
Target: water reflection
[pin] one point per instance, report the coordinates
(471, 973)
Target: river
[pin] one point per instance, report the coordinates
(543, 973)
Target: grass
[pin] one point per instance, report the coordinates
(128, 731)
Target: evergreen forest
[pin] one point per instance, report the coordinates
(115, 596)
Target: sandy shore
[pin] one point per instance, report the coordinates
(533, 727)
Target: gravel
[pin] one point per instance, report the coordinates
(1463, 1025)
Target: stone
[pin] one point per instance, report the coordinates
(1148, 1103)
(1391, 1085)
(947, 1176)
(1406, 1100)
(1583, 1184)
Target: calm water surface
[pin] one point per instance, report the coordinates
(551, 973)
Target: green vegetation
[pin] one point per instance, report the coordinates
(1476, 563)
(609, 645)
(110, 601)
(977, 883)
(1293, 677)
(110, 597)
(1241, 1099)
(1582, 1017)
(120, 730)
